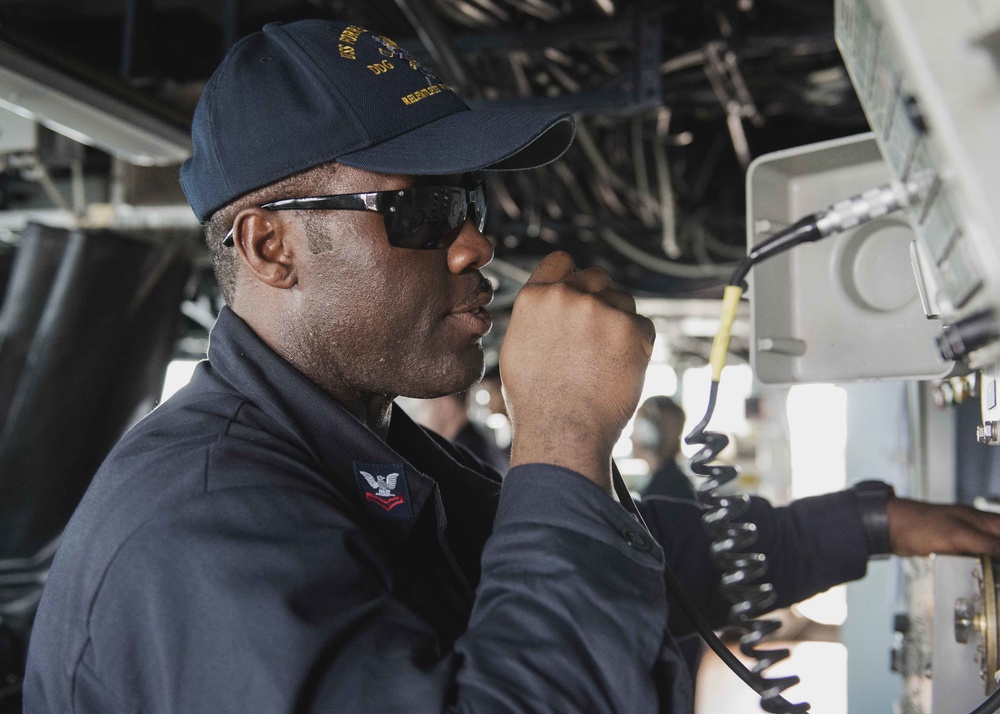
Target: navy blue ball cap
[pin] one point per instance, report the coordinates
(296, 95)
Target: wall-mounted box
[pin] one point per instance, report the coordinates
(845, 308)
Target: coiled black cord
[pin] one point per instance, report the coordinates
(742, 569)
(732, 537)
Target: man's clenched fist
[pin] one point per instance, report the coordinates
(572, 364)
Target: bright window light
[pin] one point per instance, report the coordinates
(817, 435)
(178, 374)
(497, 422)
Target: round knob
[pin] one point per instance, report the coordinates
(964, 619)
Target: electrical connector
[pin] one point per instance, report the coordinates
(856, 210)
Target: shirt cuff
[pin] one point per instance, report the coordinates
(548, 495)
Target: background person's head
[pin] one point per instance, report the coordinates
(317, 108)
(657, 431)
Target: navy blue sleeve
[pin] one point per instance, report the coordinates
(571, 610)
(570, 613)
(811, 545)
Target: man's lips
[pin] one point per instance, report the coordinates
(474, 315)
(477, 321)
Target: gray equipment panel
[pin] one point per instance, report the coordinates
(927, 73)
(848, 307)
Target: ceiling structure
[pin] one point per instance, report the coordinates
(673, 101)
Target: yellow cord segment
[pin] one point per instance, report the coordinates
(720, 345)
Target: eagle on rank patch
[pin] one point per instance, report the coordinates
(383, 489)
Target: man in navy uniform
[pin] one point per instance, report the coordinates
(276, 537)
(656, 438)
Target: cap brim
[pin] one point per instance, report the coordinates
(473, 140)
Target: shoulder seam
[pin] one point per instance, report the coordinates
(222, 434)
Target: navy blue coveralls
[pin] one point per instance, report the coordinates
(251, 547)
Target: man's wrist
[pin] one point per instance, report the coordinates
(871, 499)
(593, 466)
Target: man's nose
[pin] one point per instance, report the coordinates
(470, 251)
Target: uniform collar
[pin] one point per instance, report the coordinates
(353, 459)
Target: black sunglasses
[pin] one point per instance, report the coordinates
(423, 217)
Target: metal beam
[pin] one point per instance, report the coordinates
(87, 114)
(102, 215)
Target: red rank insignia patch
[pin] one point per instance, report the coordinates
(384, 488)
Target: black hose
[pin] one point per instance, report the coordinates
(991, 704)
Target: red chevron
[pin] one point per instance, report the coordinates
(386, 503)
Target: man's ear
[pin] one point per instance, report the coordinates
(261, 238)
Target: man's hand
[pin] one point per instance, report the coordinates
(572, 363)
(917, 528)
